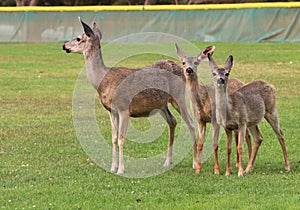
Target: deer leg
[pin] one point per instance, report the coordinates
(114, 133)
(123, 125)
(171, 120)
(182, 110)
(215, 139)
(236, 138)
(228, 148)
(242, 133)
(273, 121)
(257, 141)
(201, 132)
(249, 144)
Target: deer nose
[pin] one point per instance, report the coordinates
(221, 81)
(189, 70)
(66, 49)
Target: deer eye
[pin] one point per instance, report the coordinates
(183, 63)
(78, 39)
(196, 63)
(214, 74)
(227, 74)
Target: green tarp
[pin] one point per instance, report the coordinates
(228, 25)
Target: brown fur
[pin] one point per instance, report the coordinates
(127, 92)
(245, 108)
(203, 103)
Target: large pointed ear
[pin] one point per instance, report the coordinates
(87, 30)
(212, 63)
(204, 54)
(97, 31)
(180, 53)
(229, 63)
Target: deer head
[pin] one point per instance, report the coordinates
(220, 75)
(88, 41)
(190, 64)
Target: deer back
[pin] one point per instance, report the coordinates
(252, 101)
(139, 90)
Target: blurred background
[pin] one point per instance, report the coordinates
(259, 23)
(119, 2)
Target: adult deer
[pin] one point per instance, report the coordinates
(127, 92)
(203, 104)
(243, 109)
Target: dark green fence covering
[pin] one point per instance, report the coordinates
(204, 25)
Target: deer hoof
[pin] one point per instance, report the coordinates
(194, 165)
(167, 163)
(248, 169)
(113, 169)
(241, 173)
(198, 170)
(120, 172)
(227, 173)
(217, 171)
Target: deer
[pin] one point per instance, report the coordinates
(244, 109)
(128, 92)
(203, 104)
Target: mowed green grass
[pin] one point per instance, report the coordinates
(43, 166)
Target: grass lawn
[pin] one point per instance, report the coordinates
(43, 165)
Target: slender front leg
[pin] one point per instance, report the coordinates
(190, 124)
(189, 121)
(248, 141)
(215, 139)
(201, 133)
(114, 134)
(242, 133)
(123, 125)
(228, 147)
(236, 138)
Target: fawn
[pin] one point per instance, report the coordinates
(203, 103)
(245, 108)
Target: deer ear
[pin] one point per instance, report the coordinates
(180, 53)
(87, 30)
(229, 63)
(97, 31)
(212, 63)
(204, 54)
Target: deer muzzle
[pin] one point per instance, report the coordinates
(66, 49)
(189, 70)
(221, 81)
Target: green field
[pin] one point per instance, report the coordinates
(43, 166)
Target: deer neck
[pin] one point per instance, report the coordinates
(95, 67)
(222, 106)
(197, 92)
